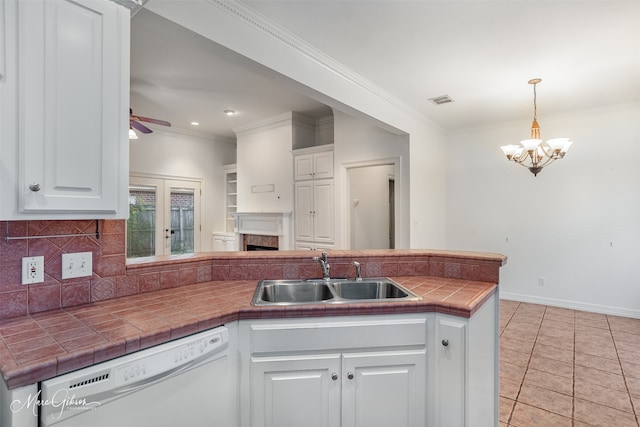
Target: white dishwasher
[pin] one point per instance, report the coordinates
(181, 383)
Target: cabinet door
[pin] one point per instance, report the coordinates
(72, 103)
(303, 167)
(324, 211)
(323, 165)
(450, 373)
(295, 391)
(382, 389)
(304, 210)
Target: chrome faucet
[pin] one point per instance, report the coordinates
(324, 264)
(356, 264)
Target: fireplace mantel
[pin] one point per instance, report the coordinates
(264, 224)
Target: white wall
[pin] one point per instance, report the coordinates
(169, 153)
(265, 165)
(576, 225)
(358, 142)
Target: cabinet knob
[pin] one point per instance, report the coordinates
(350, 375)
(334, 376)
(445, 342)
(34, 187)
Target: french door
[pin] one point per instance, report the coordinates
(164, 216)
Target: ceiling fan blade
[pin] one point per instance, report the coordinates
(154, 121)
(138, 126)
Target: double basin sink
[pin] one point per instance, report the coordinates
(329, 291)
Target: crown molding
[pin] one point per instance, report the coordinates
(259, 22)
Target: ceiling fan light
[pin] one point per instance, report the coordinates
(132, 134)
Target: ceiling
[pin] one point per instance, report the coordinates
(480, 53)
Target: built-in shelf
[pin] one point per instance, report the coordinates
(231, 201)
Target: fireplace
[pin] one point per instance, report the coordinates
(257, 242)
(263, 230)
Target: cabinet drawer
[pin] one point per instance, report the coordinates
(339, 333)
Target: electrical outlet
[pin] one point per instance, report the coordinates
(32, 270)
(540, 281)
(78, 264)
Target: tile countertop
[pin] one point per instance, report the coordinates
(43, 345)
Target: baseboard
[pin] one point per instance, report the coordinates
(574, 305)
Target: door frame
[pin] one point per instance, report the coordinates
(148, 179)
(345, 232)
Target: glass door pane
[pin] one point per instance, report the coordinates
(141, 225)
(183, 220)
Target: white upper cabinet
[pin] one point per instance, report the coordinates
(64, 147)
(314, 165)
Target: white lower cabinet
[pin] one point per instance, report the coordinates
(348, 372)
(350, 390)
(410, 370)
(296, 391)
(466, 368)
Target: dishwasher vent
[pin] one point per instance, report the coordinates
(94, 379)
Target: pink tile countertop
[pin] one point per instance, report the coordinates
(43, 345)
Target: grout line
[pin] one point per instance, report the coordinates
(528, 362)
(624, 377)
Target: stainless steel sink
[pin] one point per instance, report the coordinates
(370, 289)
(285, 291)
(331, 291)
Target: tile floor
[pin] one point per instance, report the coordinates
(561, 367)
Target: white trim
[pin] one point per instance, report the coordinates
(574, 305)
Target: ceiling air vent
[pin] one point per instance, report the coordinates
(439, 100)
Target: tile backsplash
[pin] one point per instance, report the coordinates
(113, 277)
(109, 264)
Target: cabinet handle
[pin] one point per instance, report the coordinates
(445, 342)
(350, 375)
(34, 187)
(334, 376)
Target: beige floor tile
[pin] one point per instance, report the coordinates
(583, 368)
(633, 385)
(595, 349)
(515, 357)
(509, 388)
(512, 372)
(528, 416)
(602, 416)
(548, 400)
(552, 366)
(625, 324)
(604, 396)
(631, 370)
(549, 381)
(563, 326)
(516, 344)
(555, 341)
(601, 363)
(555, 353)
(506, 406)
(601, 378)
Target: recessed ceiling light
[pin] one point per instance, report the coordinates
(229, 112)
(195, 124)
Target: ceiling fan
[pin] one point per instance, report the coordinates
(134, 123)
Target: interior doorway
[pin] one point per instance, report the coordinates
(371, 195)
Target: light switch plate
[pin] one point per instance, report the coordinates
(79, 264)
(32, 270)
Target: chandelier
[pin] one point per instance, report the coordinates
(534, 153)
